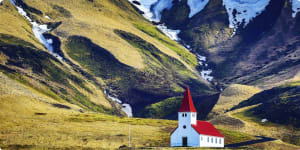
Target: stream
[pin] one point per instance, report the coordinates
(38, 30)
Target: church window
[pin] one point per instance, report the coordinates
(219, 141)
(184, 126)
(201, 138)
(216, 140)
(212, 140)
(208, 139)
(193, 115)
(183, 115)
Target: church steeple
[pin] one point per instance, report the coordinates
(187, 104)
(187, 113)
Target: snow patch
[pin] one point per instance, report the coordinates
(145, 6)
(172, 34)
(152, 11)
(159, 6)
(38, 31)
(206, 75)
(201, 58)
(152, 8)
(241, 12)
(264, 120)
(47, 17)
(196, 6)
(295, 7)
(125, 107)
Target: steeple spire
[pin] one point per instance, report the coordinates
(187, 104)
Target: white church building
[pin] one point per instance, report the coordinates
(191, 132)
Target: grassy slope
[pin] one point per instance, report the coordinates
(168, 108)
(279, 104)
(232, 96)
(243, 120)
(97, 21)
(31, 121)
(25, 60)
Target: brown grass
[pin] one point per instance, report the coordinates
(232, 96)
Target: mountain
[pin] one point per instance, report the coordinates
(130, 64)
(245, 42)
(72, 70)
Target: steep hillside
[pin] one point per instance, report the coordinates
(279, 104)
(245, 42)
(25, 60)
(93, 50)
(252, 116)
(232, 96)
(167, 109)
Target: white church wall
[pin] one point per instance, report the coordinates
(187, 118)
(193, 138)
(211, 141)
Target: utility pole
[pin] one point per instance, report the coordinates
(129, 137)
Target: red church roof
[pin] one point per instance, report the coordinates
(187, 104)
(206, 128)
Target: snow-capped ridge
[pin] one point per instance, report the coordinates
(241, 12)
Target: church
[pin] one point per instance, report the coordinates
(191, 132)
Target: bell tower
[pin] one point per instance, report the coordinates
(187, 114)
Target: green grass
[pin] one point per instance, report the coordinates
(235, 137)
(51, 76)
(163, 108)
(276, 104)
(155, 33)
(95, 58)
(287, 133)
(163, 77)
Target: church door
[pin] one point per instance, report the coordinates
(184, 141)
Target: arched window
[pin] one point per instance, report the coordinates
(184, 126)
(212, 140)
(207, 139)
(185, 114)
(182, 114)
(216, 140)
(201, 138)
(220, 141)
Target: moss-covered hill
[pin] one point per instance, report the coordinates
(106, 46)
(279, 105)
